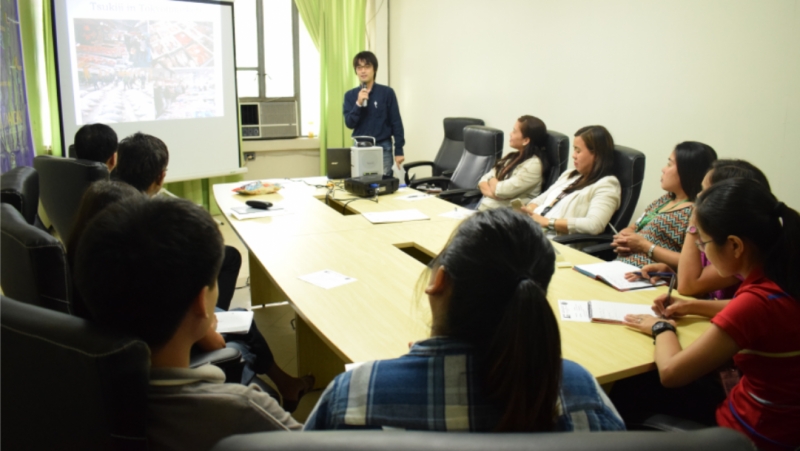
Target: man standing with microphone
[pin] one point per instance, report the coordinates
(372, 110)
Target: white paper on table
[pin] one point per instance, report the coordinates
(616, 311)
(414, 197)
(247, 212)
(458, 214)
(574, 311)
(395, 216)
(234, 322)
(327, 279)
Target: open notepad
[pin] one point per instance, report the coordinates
(613, 273)
(599, 311)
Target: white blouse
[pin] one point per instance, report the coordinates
(588, 210)
(524, 184)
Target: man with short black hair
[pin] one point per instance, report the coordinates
(149, 268)
(372, 110)
(143, 161)
(97, 142)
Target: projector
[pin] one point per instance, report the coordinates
(372, 185)
(365, 159)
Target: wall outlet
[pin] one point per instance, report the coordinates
(249, 156)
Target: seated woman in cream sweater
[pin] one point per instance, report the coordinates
(520, 174)
(581, 201)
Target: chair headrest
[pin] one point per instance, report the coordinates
(20, 188)
(481, 140)
(628, 165)
(454, 127)
(98, 400)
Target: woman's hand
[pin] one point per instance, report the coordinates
(541, 220)
(647, 269)
(672, 307)
(644, 323)
(630, 244)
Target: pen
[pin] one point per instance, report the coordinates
(656, 274)
(668, 301)
(612, 228)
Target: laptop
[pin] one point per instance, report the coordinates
(339, 163)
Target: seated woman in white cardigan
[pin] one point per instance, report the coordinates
(581, 201)
(520, 174)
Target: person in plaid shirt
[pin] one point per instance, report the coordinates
(493, 362)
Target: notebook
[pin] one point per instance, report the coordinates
(599, 311)
(339, 163)
(613, 273)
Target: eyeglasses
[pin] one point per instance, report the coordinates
(702, 244)
(365, 66)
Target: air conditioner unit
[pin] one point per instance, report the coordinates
(262, 120)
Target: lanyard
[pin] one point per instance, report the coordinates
(650, 216)
(558, 199)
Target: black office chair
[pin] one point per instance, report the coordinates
(481, 147)
(713, 439)
(20, 187)
(449, 152)
(629, 170)
(557, 146)
(563, 157)
(34, 264)
(62, 182)
(68, 385)
(34, 270)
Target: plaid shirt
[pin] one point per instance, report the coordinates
(435, 387)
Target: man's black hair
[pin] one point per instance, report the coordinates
(368, 57)
(142, 160)
(141, 263)
(95, 142)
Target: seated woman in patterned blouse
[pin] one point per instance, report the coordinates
(657, 236)
(493, 362)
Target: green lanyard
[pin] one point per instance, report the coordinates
(649, 216)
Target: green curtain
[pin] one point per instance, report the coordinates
(338, 29)
(37, 38)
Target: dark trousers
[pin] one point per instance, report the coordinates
(639, 397)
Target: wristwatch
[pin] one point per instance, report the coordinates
(552, 224)
(692, 229)
(650, 252)
(662, 326)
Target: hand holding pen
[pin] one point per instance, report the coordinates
(653, 273)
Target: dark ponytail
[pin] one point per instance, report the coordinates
(535, 130)
(500, 265)
(745, 208)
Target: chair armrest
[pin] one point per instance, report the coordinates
(415, 164)
(448, 173)
(669, 423)
(464, 193)
(583, 238)
(442, 182)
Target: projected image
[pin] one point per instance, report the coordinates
(132, 70)
(183, 93)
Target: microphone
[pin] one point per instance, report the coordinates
(364, 103)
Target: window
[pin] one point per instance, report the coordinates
(276, 59)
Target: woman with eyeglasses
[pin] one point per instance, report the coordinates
(657, 236)
(745, 230)
(583, 200)
(696, 275)
(493, 362)
(520, 174)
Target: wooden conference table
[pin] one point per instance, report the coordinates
(379, 314)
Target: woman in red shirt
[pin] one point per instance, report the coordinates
(744, 230)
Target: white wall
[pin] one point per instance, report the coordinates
(655, 73)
